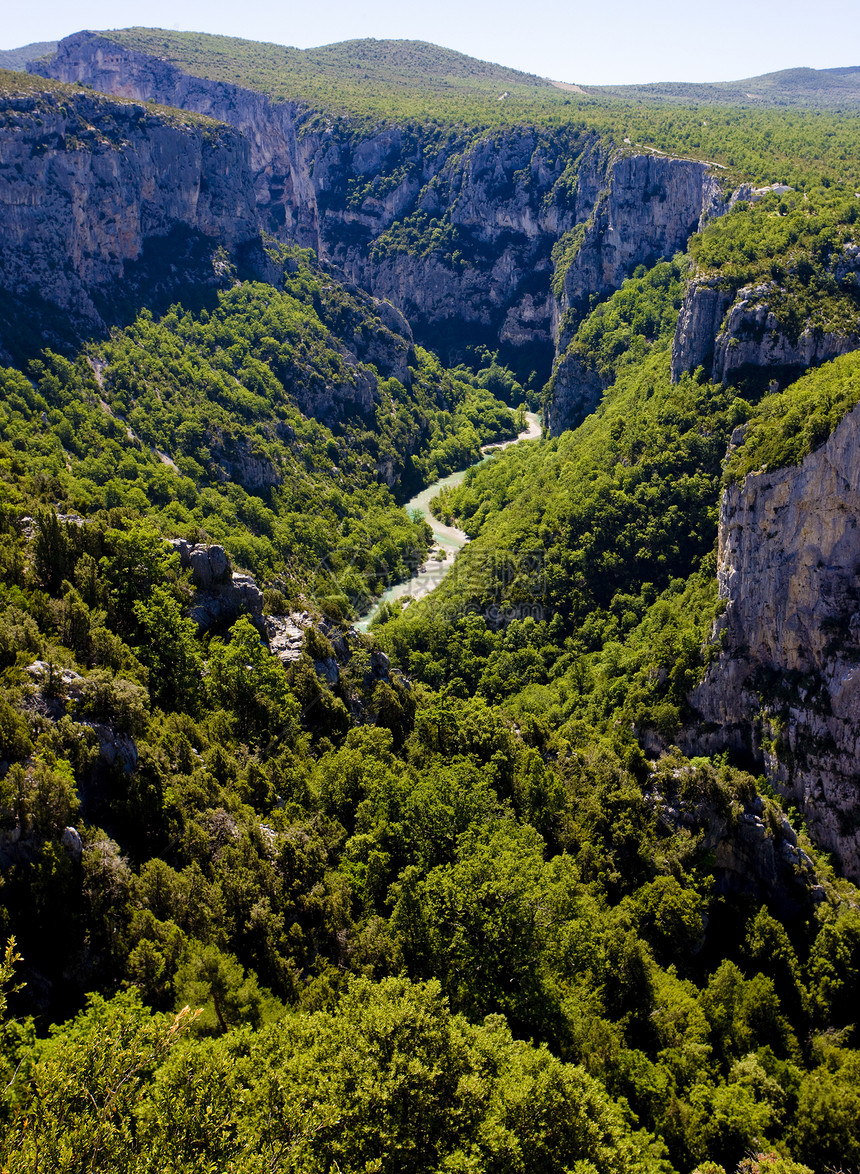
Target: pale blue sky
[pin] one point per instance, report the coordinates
(570, 40)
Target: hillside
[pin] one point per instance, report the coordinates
(483, 222)
(18, 59)
(349, 75)
(552, 870)
(787, 87)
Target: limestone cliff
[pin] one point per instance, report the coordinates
(279, 162)
(341, 193)
(732, 335)
(736, 333)
(786, 686)
(576, 391)
(647, 209)
(97, 195)
(704, 307)
(456, 229)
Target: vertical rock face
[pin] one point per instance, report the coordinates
(702, 313)
(88, 185)
(786, 687)
(488, 278)
(648, 210)
(496, 277)
(283, 192)
(577, 390)
(735, 334)
(458, 233)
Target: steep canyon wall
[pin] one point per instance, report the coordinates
(90, 186)
(457, 229)
(786, 686)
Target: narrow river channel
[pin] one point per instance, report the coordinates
(447, 539)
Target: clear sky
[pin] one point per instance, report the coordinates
(569, 40)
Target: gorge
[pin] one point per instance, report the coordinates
(552, 869)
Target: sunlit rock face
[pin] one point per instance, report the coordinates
(488, 209)
(786, 686)
(736, 335)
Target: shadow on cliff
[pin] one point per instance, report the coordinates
(184, 267)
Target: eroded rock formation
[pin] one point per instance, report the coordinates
(98, 196)
(786, 686)
(648, 208)
(222, 593)
(734, 334)
(457, 231)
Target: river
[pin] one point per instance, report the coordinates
(447, 539)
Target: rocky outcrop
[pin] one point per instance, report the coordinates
(648, 209)
(753, 340)
(72, 842)
(785, 688)
(240, 463)
(98, 196)
(732, 335)
(222, 594)
(286, 635)
(701, 318)
(58, 692)
(576, 391)
(754, 848)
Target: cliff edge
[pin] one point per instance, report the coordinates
(786, 686)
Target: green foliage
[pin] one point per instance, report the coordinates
(82, 1092)
(588, 590)
(361, 84)
(201, 423)
(792, 252)
(622, 330)
(389, 1079)
(244, 679)
(169, 649)
(787, 426)
(825, 1130)
(218, 984)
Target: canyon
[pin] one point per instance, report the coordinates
(501, 204)
(503, 239)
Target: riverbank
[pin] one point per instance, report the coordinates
(448, 541)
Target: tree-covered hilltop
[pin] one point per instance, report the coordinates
(18, 59)
(838, 87)
(351, 76)
(795, 251)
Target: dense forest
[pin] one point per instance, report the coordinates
(444, 896)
